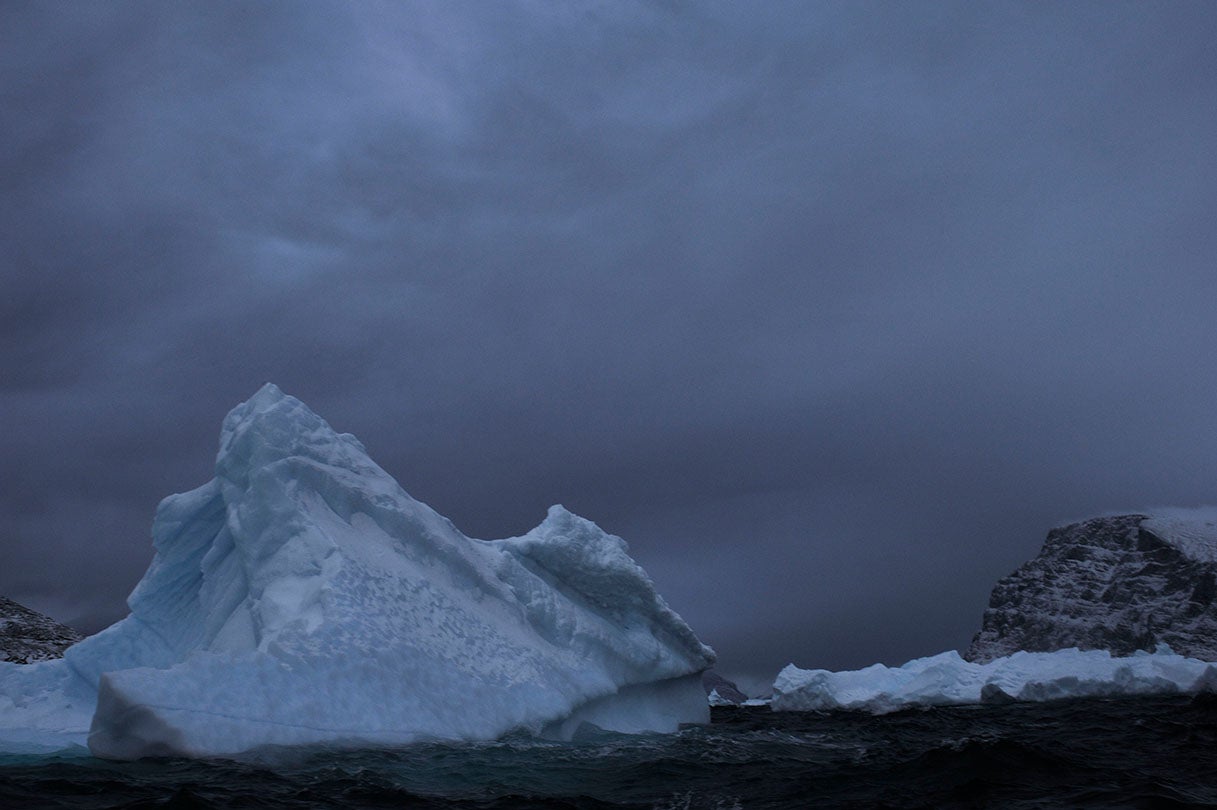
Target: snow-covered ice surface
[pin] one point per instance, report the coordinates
(947, 679)
(301, 597)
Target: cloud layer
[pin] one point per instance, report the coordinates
(831, 310)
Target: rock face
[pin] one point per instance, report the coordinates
(1122, 584)
(720, 691)
(27, 636)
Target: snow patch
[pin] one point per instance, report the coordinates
(1191, 530)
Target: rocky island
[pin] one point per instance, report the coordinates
(27, 636)
(1122, 583)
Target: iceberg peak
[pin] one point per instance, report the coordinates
(266, 396)
(271, 426)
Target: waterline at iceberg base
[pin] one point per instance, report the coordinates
(301, 598)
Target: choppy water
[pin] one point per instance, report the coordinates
(1139, 753)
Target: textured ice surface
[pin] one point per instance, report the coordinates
(302, 598)
(947, 679)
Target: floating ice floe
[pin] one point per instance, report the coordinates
(947, 679)
(302, 598)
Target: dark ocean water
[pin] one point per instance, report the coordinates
(1138, 753)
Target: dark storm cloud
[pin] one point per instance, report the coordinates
(830, 310)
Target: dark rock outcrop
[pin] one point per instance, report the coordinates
(27, 636)
(1121, 583)
(727, 691)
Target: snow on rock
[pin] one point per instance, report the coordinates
(1192, 531)
(301, 597)
(27, 636)
(1120, 583)
(947, 679)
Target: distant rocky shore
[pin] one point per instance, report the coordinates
(27, 636)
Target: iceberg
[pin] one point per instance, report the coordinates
(947, 679)
(302, 598)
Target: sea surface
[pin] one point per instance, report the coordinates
(1109, 753)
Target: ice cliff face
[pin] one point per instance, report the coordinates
(301, 597)
(1121, 583)
(26, 636)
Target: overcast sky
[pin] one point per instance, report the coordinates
(830, 310)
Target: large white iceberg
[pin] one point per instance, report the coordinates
(301, 597)
(947, 679)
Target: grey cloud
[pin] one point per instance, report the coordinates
(830, 310)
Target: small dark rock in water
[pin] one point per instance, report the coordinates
(1122, 584)
(711, 681)
(27, 636)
